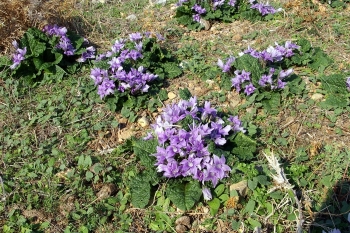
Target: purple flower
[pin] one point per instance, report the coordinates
(135, 36)
(232, 2)
(138, 46)
(191, 165)
(105, 88)
(160, 37)
(206, 194)
(218, 3)
(219, 167)
(180, 2)
(236, 124)
(135, 55)
(264, 9)
(90, 53)
(172, 169)
(197, 8)
(98, 75)
(348, 83)
(227, 66)
(265, 80)
(18, 57)
(118, 45)
(286, 73)
(249, 89)
(207, 110)
(196, 18)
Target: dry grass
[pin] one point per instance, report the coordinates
(16, 16)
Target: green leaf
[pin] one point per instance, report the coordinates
(163, 95)
(244, 146)
(185, 94)
(334, 84)
(184, 195)
(251, 64)
(249, 208)
(219, 190)
(140, 192)
(254, 223)
(252, 184)
(143, 149)
(334, 101)
(5, 61)
(214, 206)
(271, 105)
(89, 175)
(172, 70)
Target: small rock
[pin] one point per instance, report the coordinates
(184, 220)
(205, 24)
(131, 17)
(317, 96)
(180, 229)
(143, 122)
(159, 2)
(210, 82)
(171, 95)
(237, 37)
(106, 191)
(99, 1)
(240, 187)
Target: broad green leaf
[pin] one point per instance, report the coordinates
(335, 101)
(254, 223)
(249, 208)
(214, 206)
(185, 94)
(334, 83)
(144, 149)
(251, 64)
(172, 70)
(244, 146)
(184, 195)
(219, 190)
(252, 184)
(272, 104)
(140, 192)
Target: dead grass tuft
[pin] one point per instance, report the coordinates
(16, 16)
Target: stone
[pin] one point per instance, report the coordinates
(131, 17)
(171, 95)
(143, 122)
(184, 220)
(240, 187)
(317, 96)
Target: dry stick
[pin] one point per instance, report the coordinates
(300, 219)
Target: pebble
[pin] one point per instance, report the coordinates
(317, 96)
(184, 220)
(143, 122)
(171, 95)
(131, 17)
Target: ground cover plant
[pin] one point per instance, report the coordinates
(197, 15)
(193, 153)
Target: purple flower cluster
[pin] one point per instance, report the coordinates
(242, 79)
(117, 77)
(264, 9)
(273, 54)
(18, 57)
(227, 65)
(65, 44)
(348, 83)
(185, 152)
(199, 11)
